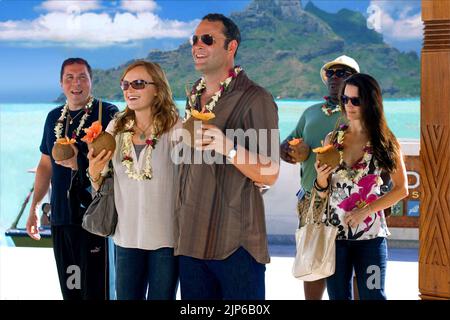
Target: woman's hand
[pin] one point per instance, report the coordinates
(356, 216)
(323, 173)
(96, 164)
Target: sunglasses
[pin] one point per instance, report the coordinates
(340, 73)
(135, 84)
(355, 101)
(206, 39)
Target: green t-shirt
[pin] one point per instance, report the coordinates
(313, 127)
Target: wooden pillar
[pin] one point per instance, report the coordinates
(434, 225)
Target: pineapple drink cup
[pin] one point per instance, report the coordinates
(328, 155)
(62, 149)
(196, 119)
(98, 139)
(299, 149)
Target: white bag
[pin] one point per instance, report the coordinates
(316, 247)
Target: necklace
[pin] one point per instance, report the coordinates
(329, 108)
(143, 136)
(65, 113)
(127, 159)
(76, 116)
(198, 90)
(359, 169)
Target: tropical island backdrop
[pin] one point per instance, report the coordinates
(283, 47)
(285, 42)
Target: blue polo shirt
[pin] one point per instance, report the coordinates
(69, 210)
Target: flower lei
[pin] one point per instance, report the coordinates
(358, 170)
(127, 160)
(60, 122)
(329, 111)
(201, 86)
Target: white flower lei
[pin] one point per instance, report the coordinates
(348, 173)
(328, 111)
(60, 122)
(213, 101)
(127, 159)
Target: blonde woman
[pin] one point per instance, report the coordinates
(146, 267)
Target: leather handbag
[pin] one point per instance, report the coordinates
(316, 245)
(101, 216)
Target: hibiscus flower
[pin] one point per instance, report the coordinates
(92, 132)
(362, 197)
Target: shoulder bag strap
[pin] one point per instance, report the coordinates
(100, 111)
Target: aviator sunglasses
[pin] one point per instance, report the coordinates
(206, 39)
(135, 84)
(355, 100)
(340, 73)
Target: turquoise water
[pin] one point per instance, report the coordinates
(21, 128)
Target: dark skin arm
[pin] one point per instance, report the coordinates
(285, 148)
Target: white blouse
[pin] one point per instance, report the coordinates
(145, 208)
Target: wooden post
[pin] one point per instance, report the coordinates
(434, 223)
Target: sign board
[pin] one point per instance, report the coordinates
(405, 214)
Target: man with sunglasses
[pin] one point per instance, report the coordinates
(80, 256)
(314, 124)
(221, 236)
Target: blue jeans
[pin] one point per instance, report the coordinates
(238, 277)
(146, 274)
(368, 258)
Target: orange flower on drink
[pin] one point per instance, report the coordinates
(65, 140)
(323, 149)
(92, 132)
(204, 116)
(295, 141)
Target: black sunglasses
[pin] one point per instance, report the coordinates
(206, 39)
(355, 101)
(135, 84)
(340, 73)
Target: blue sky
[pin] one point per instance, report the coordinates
(36, 36)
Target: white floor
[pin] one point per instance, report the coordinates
(30, 274)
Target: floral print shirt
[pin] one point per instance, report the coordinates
(347, 194)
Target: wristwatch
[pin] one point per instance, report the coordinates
(232, 153)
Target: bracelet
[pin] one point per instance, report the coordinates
(92, 179)
(318, 188)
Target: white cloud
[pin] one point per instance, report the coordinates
(90, 30)
(397, 20)
(70, 5)
(139, 6)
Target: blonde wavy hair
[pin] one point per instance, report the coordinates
(164, 110)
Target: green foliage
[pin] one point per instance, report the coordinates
(284, 53)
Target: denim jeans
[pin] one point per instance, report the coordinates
(368, 258)
(238, 277)
(146, 274)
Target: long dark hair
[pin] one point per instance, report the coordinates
(386, 148)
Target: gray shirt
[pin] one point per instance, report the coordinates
(145, 208)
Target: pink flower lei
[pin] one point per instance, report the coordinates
(327, 109)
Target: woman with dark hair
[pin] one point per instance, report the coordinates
(366, 147)
(144, 184)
